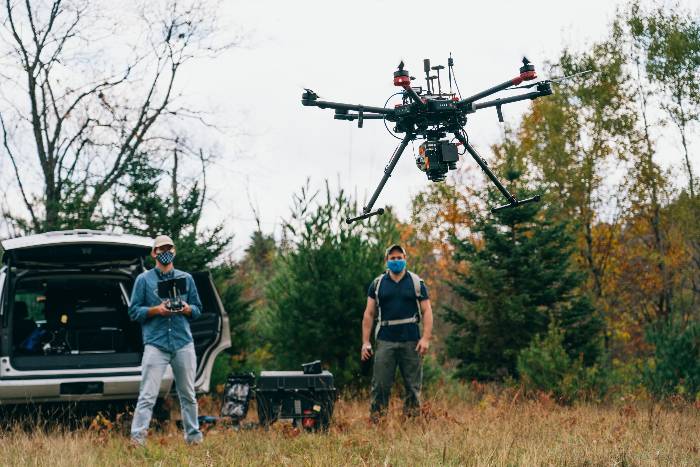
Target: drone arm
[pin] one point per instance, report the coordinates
(344, 107)
(413, 94)
(351, 117)
(387, 173)
(524, 76)
(544, 89)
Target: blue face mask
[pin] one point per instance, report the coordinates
(165, 257)
(396, 265)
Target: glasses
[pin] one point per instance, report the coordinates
(164, 248)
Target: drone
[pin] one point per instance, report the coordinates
(432, 115)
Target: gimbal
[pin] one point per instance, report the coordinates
(431, 115)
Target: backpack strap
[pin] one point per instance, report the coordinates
(377, 282)
(416, 286)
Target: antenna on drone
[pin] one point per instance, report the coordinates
(438, 68)
(450, 64)
(426, 68)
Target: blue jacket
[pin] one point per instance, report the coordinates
(166, 333)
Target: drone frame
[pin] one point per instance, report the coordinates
(432, 116)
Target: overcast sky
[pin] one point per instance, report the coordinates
(347, 51)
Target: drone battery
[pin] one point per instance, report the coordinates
(308, 399)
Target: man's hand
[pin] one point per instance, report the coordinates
(422, 347)
(366, 353)
(186, 309)
(158, 310)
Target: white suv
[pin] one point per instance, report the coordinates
(65, 332)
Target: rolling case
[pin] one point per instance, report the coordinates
(306, 398)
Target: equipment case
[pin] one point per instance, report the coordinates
(307, 399)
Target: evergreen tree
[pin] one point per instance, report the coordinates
(160, 199)
(319, 288)
(519, 278)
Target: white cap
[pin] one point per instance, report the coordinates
(162, 240)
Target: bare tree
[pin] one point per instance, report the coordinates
(670, 42)
(81, 103)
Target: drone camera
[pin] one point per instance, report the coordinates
(436, 158)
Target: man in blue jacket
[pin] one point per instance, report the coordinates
(167, 341)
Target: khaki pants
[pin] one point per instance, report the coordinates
(387, 356)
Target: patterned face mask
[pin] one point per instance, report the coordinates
(165, 257)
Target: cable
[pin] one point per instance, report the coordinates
(466, 138)
(384, 119)
(456, 84)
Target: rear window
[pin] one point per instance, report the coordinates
(45, 297)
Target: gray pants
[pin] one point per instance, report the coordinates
(387, 356)
(153, 365)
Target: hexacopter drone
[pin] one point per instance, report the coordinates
(431, 115)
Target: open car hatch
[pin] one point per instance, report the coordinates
(76, 248)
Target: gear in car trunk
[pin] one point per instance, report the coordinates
(73, 321)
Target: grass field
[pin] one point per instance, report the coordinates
(456, 429)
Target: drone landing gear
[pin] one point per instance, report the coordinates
(387, 173)
(512, 200)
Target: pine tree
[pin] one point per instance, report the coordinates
(162, 200)
(520, 277)
(318, 291)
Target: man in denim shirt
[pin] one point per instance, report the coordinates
(167, 341)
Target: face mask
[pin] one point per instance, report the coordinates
(165, 257)
(396, 265)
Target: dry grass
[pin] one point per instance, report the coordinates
(490, 429)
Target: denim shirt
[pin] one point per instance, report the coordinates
(167, 333)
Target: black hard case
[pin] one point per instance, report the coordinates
(295, 395)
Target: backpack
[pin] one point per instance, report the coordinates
(393, 322)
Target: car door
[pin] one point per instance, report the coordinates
(210, 331)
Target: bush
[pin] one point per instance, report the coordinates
(545, 366)
(433, 372)
(675, 365)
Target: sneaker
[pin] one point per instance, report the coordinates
(136, 443)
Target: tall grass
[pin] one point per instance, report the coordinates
(455, 429)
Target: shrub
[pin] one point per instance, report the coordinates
(674, 367)
(545, 366)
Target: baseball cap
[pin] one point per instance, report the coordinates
(395, 246)
(162, 240)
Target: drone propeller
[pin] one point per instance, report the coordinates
(552, 80)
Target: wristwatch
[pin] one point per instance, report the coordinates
(367, 347)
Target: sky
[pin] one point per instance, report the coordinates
(347, 51)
